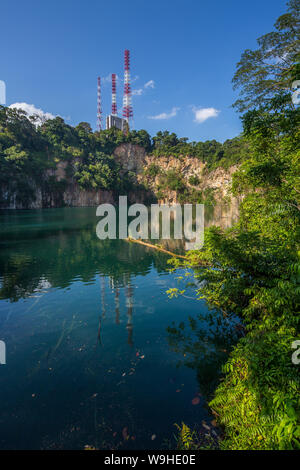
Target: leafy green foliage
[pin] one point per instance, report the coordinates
(259, 402)
(253, 269)
(212, 153)
(194, 180)
(97, 171)
(29, 154)
(188, 439)
(265, 75)
(152, 170)
(172, 181)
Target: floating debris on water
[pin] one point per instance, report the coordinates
(196, 401)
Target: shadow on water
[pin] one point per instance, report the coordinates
(203, 343)
(93, 341)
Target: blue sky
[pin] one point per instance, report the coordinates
(53, 51)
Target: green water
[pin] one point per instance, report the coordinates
(94, 352)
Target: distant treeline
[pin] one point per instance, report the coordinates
(28, 150)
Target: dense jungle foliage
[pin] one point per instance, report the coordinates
(213, 153)
(253, 269)
(28, 153)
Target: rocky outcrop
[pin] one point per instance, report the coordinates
(59, 173)
(131, 158)
(218, 180)
(186, 166)
(71, 196)
(11, 199)
(77, 197)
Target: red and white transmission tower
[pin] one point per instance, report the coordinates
(99, 109)
(113, 95)
(127, 108)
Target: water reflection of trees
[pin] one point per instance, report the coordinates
(203, 342)
(62, 258)
(53, 247)
(35, 262)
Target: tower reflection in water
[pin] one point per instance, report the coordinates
(114, 290)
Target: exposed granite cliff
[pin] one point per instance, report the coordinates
(70, 195)
(187, 167)
(132, 158)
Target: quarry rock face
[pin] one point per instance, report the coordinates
(74, 196)
(187, 166)
(9, 199)
(59, 172)
(131, 158)
(219, 179)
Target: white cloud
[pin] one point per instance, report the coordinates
(140, 91)
(202, 114)
(150, 84)
(169, 115)
(137, 92)
(107, 79)
(2, 92)
(31, 110)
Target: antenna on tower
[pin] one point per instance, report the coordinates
(113, 95)
(127, 108)
(99, 109)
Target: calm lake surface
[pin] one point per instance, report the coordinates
(97, 354)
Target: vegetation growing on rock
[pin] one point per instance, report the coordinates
(29, 156)
(254, 267)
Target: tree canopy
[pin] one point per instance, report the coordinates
(266, 75)
(253, 268)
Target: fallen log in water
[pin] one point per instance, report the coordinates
(156, 247)
(175, 255)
